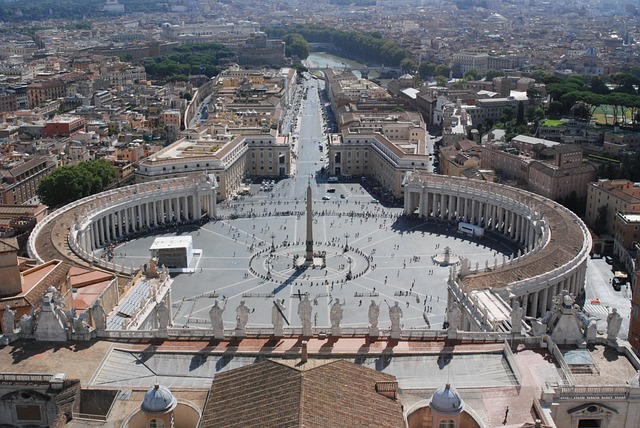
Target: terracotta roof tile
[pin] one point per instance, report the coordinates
(320, 393)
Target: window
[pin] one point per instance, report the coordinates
(447, 424)
(28, 412)
(156, 423)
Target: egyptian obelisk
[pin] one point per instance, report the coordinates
(309, 243)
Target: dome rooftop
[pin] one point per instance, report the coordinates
(158, 400)
(496, 18)
(446, 400)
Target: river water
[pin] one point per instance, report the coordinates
(324, 60)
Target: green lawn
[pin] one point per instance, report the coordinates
(554, 122)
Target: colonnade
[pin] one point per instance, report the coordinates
(148, 212)
(514, 220)
(554, 243)
(110, 216)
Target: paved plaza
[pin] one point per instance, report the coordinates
(249, 255)
(251, 252)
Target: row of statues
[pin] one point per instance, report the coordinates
(305, 313)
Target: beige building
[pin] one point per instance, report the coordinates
(545, 167)
(381, 147)
(616, 196)
(459, 157)
(231, 154)
(20, 179)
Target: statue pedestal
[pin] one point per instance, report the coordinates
(240, 332)
(452, 333)
(218, 334)
(336, 332)
(396, 334)
(374, 331)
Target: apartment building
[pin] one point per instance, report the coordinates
(20, 178)
(611, 197)
(43, 91)
(63, 125)
(545, 167)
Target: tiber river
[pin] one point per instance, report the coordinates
(324, 59)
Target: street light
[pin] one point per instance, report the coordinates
(346, 242)
(273, 247)
(349, 273)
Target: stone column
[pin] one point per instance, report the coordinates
(544, 303)
(534, 304)
(126, 220)
(100, 230)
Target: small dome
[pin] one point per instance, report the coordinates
(158, 400)
(446, 400)
(496, 18)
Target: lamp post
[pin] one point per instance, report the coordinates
(349, 275)
(346, 242)
(273, 247)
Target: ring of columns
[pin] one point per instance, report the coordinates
(99, 220)
(554, 242)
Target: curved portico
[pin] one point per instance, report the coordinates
(107, 217)
(554, 244)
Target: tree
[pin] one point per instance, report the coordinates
(296, 45)
(507, 115)
(442, 70)
(492, 74)
(408, 66)
(426, 70)
(441, 81)
(471, 75)
(600, 225)
(70, 183)
(520, 114)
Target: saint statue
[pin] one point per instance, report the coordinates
(242, 316)
(336, 314)
(215, 314)
(99, 316)
(304, 312)
(395, 314)
(517, 313)
(8, 321)
(374, 313)
(614, 322)
(454, 316)
(163, 315)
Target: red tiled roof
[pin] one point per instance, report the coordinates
(319, 393)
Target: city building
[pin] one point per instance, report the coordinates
(606, 198)
(20, 178)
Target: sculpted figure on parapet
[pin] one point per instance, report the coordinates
(215, 314)
(304, 312)
(374, 313)
(614, 322)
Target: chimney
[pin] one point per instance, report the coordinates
(388, 389)
(305, 352)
